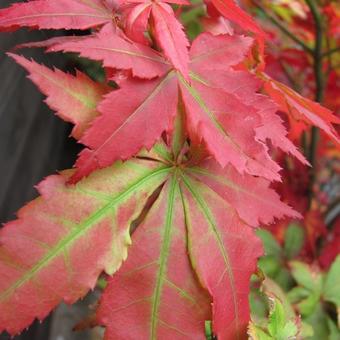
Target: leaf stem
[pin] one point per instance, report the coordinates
(282, 28)
(320, 85)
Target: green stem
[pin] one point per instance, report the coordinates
(331, 51)
(320, 85)
(283, 29)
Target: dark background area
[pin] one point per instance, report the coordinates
(33, 142)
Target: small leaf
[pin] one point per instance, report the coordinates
(279, 326)
(331, 290)
(306, 276)
(270, 265)
(294, 240)
(271, 246)
(297, 294)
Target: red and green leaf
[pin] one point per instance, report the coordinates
(157, 286)
(224, 252)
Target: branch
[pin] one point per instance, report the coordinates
(283, 29)
(331, 51)
(320, 83)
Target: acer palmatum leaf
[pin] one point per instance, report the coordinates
(135, 16)
(157, 286)
(64, 239)
(56, 14)
(227, 127)
(110, 47)
(91, 221)
(214, 114)
(74, 98)
(190, 228)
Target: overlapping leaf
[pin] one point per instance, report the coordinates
(65, 238)
(117, 52)
(78, 231)
(193, 216)
(171, 37)
(302, 110)
(217, 114)
(56, 14)
(124, 126)
(74, 98)
(231, 11)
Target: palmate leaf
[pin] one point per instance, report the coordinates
(56, 14)
(64, 239)
(74, 98)
(191, 227)
(230, 124)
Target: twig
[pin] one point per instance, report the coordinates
(320, 85)
(331, 51)
(283, 28)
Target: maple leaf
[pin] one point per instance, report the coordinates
(74, 98)
(300, 109)
(56, 14)
(203, 197)
(157, 277)
(193, 215)
(64, 239)
(227, 122)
